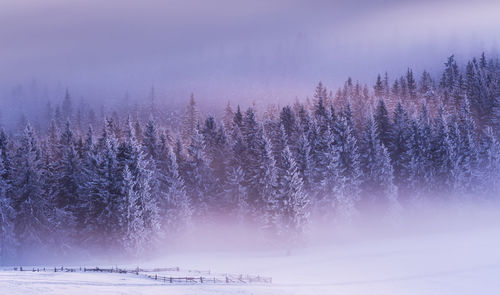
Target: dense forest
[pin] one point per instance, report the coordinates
(135, 179)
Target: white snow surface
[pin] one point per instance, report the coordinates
(458, 261)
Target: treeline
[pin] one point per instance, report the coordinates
(136, 180)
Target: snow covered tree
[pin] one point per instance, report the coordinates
(292, 202)
(378, 185)
(175, 207)
(131, 157)
(132, 222)
(216, 149)
(412, 85)
(190, 120)
(319, 101)
(67, 107)
(383, 122)
(420, 154)
(379, 87)
(467, 150)
(489, 161)
(347, 168)
(442, 155)
(228, 117)
(399, 148)
(150, 140)
(65, 187)
(66, 191)
(199, 176)
(304, 161)
(237, 208)
(8, 240)
(32, 226)
(102, 190)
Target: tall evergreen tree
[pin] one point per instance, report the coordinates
(292, 202)
(8, 240)
(190, 120)
(32, 226)
(383, 122)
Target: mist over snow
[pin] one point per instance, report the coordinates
(249, 147)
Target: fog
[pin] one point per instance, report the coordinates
(423, 229)
(264, 51)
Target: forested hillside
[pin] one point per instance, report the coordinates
(136, 179)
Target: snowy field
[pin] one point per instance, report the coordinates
(465, 261)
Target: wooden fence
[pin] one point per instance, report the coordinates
(205, 277)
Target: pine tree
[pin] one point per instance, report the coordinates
(304, 161)
(383, 122)
(289, 122)
(378, 175)
(412, 85)
(190, 121)
(399, 149)
(68, 178)
(419, 154)
(348, 172)
(8, 241)
(67, 108)
(396, 90)
(467, 150)
(199, 177)
(265, 176)
(228, 117)
(442, 153)
(175, 208)
(320, 96)
(131, 221)
(237, 207)
(292, 202)
(451, 83)
(132, 158)
(150, 140)
(103, 190)
(379, 87)
(216, 148)
(32, 226)
(489, 161)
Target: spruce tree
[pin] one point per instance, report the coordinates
(8, 240)
(190, 120)
(32, 227)
(292, 202)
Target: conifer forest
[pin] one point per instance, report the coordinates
(137, 178)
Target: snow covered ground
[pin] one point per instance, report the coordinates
(458, 261)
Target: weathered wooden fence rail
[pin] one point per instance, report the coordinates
(215, 279)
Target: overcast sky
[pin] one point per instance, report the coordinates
(227, 49)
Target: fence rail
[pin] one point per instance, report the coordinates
(214, 279)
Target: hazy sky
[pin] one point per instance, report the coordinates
(228, 49)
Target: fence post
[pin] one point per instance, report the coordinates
(201, 280)
(227, 280)
(156, 277)
(170, 280)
